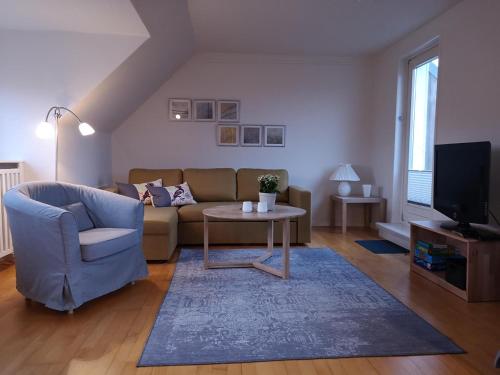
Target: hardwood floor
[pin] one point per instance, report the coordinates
(107, 336)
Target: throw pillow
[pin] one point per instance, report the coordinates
(144, 195)
(180, 195)
(81, 215)
(160, 196)
(127, 190)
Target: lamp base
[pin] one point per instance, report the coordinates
(344, 189)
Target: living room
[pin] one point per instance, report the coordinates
(216, 104)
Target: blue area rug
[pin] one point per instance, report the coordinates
(327, 309)
(382, 247)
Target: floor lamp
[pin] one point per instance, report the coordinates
(46, 130)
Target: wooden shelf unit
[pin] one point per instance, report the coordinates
(483, 261)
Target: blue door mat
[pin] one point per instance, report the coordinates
(382, 247)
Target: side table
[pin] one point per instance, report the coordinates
(357, 199)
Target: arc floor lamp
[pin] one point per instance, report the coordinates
(46, 130)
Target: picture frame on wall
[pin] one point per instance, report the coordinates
(228, 135)
(203, 110)
(274, 136)
(179, 109)
(251, 135)
(228, 110)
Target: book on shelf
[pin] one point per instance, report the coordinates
(429, 258)
(430, 266)
(433, 249)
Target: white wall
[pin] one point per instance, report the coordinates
(469, 89)
(40, 69)
(321, 101)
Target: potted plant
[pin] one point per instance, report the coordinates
(268, 187)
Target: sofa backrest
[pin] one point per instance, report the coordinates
(248, 186)
(212, 184)
(169, 176)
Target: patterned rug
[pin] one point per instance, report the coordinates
(327, 309)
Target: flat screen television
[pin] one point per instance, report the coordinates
(461, 184)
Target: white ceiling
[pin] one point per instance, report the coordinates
(116, 17)
(307, 27)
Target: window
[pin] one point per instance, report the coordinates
(423, 93)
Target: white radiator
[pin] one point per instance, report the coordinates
(11, 174)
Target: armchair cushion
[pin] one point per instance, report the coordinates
(102, 242)
(81, 215)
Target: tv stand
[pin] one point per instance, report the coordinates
(466, 230)
(483, 261)
(461, 228)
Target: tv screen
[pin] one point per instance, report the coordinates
(461, 181)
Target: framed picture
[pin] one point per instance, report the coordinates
(203, 110)
(274, 136)
(179, 109)
(251, 135)
(228, 135)
(228, 110)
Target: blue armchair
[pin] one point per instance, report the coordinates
(73, 243)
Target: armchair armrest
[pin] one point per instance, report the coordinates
(301, 198)
(111, 210)
(43, 234)
(112, 189)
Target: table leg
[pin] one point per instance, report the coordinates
(205, 241)
(344, 217)
(270, 236)
(382, 211)
(270, 243)
(332, 213)
(286, 248)
(368, 214)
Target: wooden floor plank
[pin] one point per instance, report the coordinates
(107, 336)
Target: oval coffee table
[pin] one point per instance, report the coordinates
(234, 212)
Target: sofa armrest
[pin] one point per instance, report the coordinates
(111, 189)
(301, 198)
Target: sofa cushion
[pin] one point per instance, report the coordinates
(81, 215)
(168, 176)
(98, 243)
(248, 186)
(158, 220)
(210, 185)
(194, 212)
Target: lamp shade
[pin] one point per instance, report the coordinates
(344, 172)
(45, 130)
(85, 129)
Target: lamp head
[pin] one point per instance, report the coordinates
(344, 172)
(45, 130)
(85, 129)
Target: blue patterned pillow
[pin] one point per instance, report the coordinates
(128, 190)
(160, 197)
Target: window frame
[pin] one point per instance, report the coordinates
(424, 212)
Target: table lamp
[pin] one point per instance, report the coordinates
(344, 173)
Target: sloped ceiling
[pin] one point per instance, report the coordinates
(308, 27)
(171, 44)
(116, 17)
(50, 65)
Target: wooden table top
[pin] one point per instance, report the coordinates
(234, 212)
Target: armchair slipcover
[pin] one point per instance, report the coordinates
(50, 267)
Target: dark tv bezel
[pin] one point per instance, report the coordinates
(483, 216)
